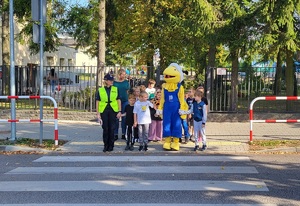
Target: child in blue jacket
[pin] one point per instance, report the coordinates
(198, 109)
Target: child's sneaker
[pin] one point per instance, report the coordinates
(203, 147)
(127, 147)
(141, 148)
(196, 148)
(145, 147)
(192, 138)
(186, 140)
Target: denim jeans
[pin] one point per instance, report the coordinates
(185, 128)
(53, 84)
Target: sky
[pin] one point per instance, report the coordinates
(81, 2)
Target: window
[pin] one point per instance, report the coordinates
(61, 62)
(50, 61)
(70, 62)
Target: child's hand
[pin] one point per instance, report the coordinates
(158, 112)
(119, 115)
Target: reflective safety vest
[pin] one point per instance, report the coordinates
(104, 99)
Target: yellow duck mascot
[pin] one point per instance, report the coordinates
(173, 106)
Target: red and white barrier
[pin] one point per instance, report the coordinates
(55, 120)
(270, 98)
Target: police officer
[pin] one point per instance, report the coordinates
(108, 108)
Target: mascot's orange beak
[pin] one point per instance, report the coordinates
(168, 76)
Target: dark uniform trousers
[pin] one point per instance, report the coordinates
(108, 118)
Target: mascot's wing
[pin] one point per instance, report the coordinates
(183, 104)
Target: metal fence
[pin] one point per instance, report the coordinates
(75, 87)
(252, 82)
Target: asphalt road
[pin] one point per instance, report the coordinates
(143, 179)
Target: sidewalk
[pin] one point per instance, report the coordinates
(84, 137)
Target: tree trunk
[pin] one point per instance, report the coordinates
(162, 63)
(5, 48)
(208, 72)
(150, 50)
(278, 75)
(150, 66)
(198, 59)
(101, 43)
(289, 77)
(234, 81)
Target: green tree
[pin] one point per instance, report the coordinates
(281, 35)
(55, 11)
(239, 17)
(86, 24)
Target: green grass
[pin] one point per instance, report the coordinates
(272, 144)
(34, 143)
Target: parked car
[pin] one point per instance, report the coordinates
(266, 89)
(65, 81)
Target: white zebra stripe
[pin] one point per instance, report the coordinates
(138, 204)
(140, 158)
(142, 185)
(130, 170)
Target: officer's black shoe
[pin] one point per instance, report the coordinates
(141, 148)
(145, 147)
(110, 149)
(104, 149)
(127, 147)
(116, 137)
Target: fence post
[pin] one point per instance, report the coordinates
(269, 98)
(55, 120)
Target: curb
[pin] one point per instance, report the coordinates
(10, 148)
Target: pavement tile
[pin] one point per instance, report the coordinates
(222, 137)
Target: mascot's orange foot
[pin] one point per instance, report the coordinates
(175, 144)
(167, 144)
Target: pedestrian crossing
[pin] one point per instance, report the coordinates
(160, 176)
(139, 204)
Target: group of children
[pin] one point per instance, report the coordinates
(143, 125)
(141, 121)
